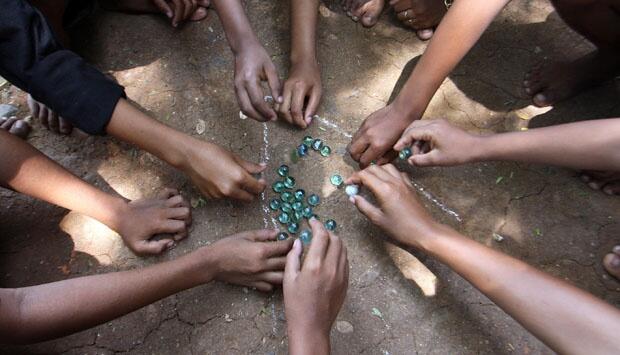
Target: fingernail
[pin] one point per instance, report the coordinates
(615, 262)
(352, 200)
(280, 99)
(309, 119)
(296, 243)
(263, 164)
(19, 124)
(169, 14)
(170, 244)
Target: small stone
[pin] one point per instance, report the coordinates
(283, 170)
(289, 182)
(275, 204)
(287, 196)
(498, 237)
(305, 236)
(286, 207)
(242, 115)
(201, 126)
(352, 190)
(336, 180)
(326, 151)
(314, 200)
(308, 141)
(268, 99)
(7, 110)
(317, 144)
(344, 327)
(405, 153)
(278, 186)
(298, 206)
(302, 150)
(330, 224)
(299, 195)
(284, 218)
(293, 228)
(282, 236)
(307, 212)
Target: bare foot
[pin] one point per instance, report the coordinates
(16, 126)
(177, 11)
(611, 262)
(167, 214)
(49, 118)
(548, 83)
(365, 11)
(606, 181)
(420, 15)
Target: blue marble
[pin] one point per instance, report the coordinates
(330, 224)
(278, 186)
(293, 227)
(283, 170)
(289, 182)
(284, 218)
(314, 200)
(305, 236)
(302, 150)
(287, 196)
(286, 207)
(298, 206)
(336, 180)
(274, 204)
(308, 141)
(326, 151)
(317, 144)
(282, 236)
(299, 195)
(405, 153)
(307, 212)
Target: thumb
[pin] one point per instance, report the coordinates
(293, 261)
(368, 209)
(147, 247)
(428, 159)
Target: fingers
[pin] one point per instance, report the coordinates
(148, 247)
(279, 248)
(297, 105)
(163, 6)
(250, 167)
(334, 251)
(246, 104)
(320, 242)
(181, 213)
(169, 192)
(426, 159)
(274, 81)
(258, 101)
(239, 194)
(372, 153)
(413, 134)
(358, 146)
(271, 277)
(278, 263)
(261, 286)
(190, 7)
(172, 226)
(260, 235)
(179, 10)
(366, 208)
(293, 261)
(313, 104)
(285, 106)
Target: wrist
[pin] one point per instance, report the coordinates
(407, 109)
(308, 340)
(303, 59)
(201, 265)
(423, 236)
(478, 149)
(244, 43)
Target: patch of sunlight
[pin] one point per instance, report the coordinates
(413, 269)
(92, 237)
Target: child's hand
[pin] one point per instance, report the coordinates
(373, 141)
(304, 82)
(251, 258)
(219, 173)
(179, 11)
(438, 143)
(253, 65)
(314, 291)
(398, 212)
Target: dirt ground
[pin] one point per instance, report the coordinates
(546, 215)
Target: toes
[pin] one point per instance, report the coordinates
(611, 262)
(181, 213)
(65, 126)
(20, 129)
(152, 247)
(425, 34)
(200, 14)
(612, 188)
(168, 192)
(175, 201)
(543, 99)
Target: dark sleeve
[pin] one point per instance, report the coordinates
(32, 59)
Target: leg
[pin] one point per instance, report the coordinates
(612, 262)
(599, 22)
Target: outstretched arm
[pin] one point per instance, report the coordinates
(42, 312)
(590, 145)
(564, 317)
(304, 81)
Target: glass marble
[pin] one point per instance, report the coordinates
(274, 204)
(326, 151)
(293, 227)
(317, 144)
(330, 224)
(297, 216)
(298, 206)
(305, 236)
(307, 212)
(287, 196)
(299, 195)
(278, 186)
(289, 182)
(308, 141)
(286, 207)
(352, 190)
(405, 153)
(336, 180)
(284, 218)
(282, 236)
(283, 170)
(302, 150)
(313, 200)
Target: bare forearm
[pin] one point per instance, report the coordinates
(60, 308)
(456, 35)
(303, 30)
(566, 318)
(236, 25)
(304, 341)
(583, 145)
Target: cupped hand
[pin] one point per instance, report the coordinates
(218, 173)
(314, 292)
(252, 66)
(303, 85)
(438, 143)
(398, 211)
(251, 259)
(373, 141)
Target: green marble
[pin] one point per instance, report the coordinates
(317, 144)
(287, 196)
(405, 153)
(307, 212)
(283, 170)
(286, 207)
(289, 182)
(282, 236)
(278, 186)
(336, 180)
(314, 200)
(298, 206)
(284, 218)
(330, 224)
(275, 204)
(293, 227)
(308, 141)
(297, 216)
(326, 151)
(299, 195)
(305, 236)
(302, 150)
